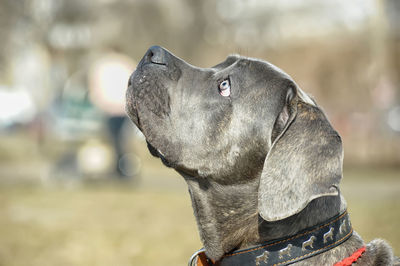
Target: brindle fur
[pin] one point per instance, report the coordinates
(261, 164)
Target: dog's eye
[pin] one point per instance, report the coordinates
(225, 88)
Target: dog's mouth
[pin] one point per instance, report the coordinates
(147, 98)
(153, 151)
(180, 169)
(148, 86)
(157, 153)
(148, 103)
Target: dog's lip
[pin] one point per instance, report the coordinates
(160, 153)
(152, 149)
(165, 161)
(157, 153)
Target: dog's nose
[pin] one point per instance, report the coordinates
(156, 55)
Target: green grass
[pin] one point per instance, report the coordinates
(118, 225)
(101, 226)
(373, 197)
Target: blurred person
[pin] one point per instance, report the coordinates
(108, 78)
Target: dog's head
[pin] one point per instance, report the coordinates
(232, 123)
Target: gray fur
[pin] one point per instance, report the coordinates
(314, 151)
(261, 164)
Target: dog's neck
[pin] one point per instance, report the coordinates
(228, 219)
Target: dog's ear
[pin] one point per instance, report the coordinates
(304, 162)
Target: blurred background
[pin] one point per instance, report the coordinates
(77, 185)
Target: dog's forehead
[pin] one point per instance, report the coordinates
(264, 67)
(252, 64)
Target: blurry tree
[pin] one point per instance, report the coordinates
(393, 15)
(10, 14)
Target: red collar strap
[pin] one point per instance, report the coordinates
(353, 258)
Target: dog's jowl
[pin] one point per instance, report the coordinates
(261, 160)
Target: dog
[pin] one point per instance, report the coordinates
(261, 160)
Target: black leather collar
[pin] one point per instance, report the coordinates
(285, 251)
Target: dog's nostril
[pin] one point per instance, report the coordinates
(156, 55)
